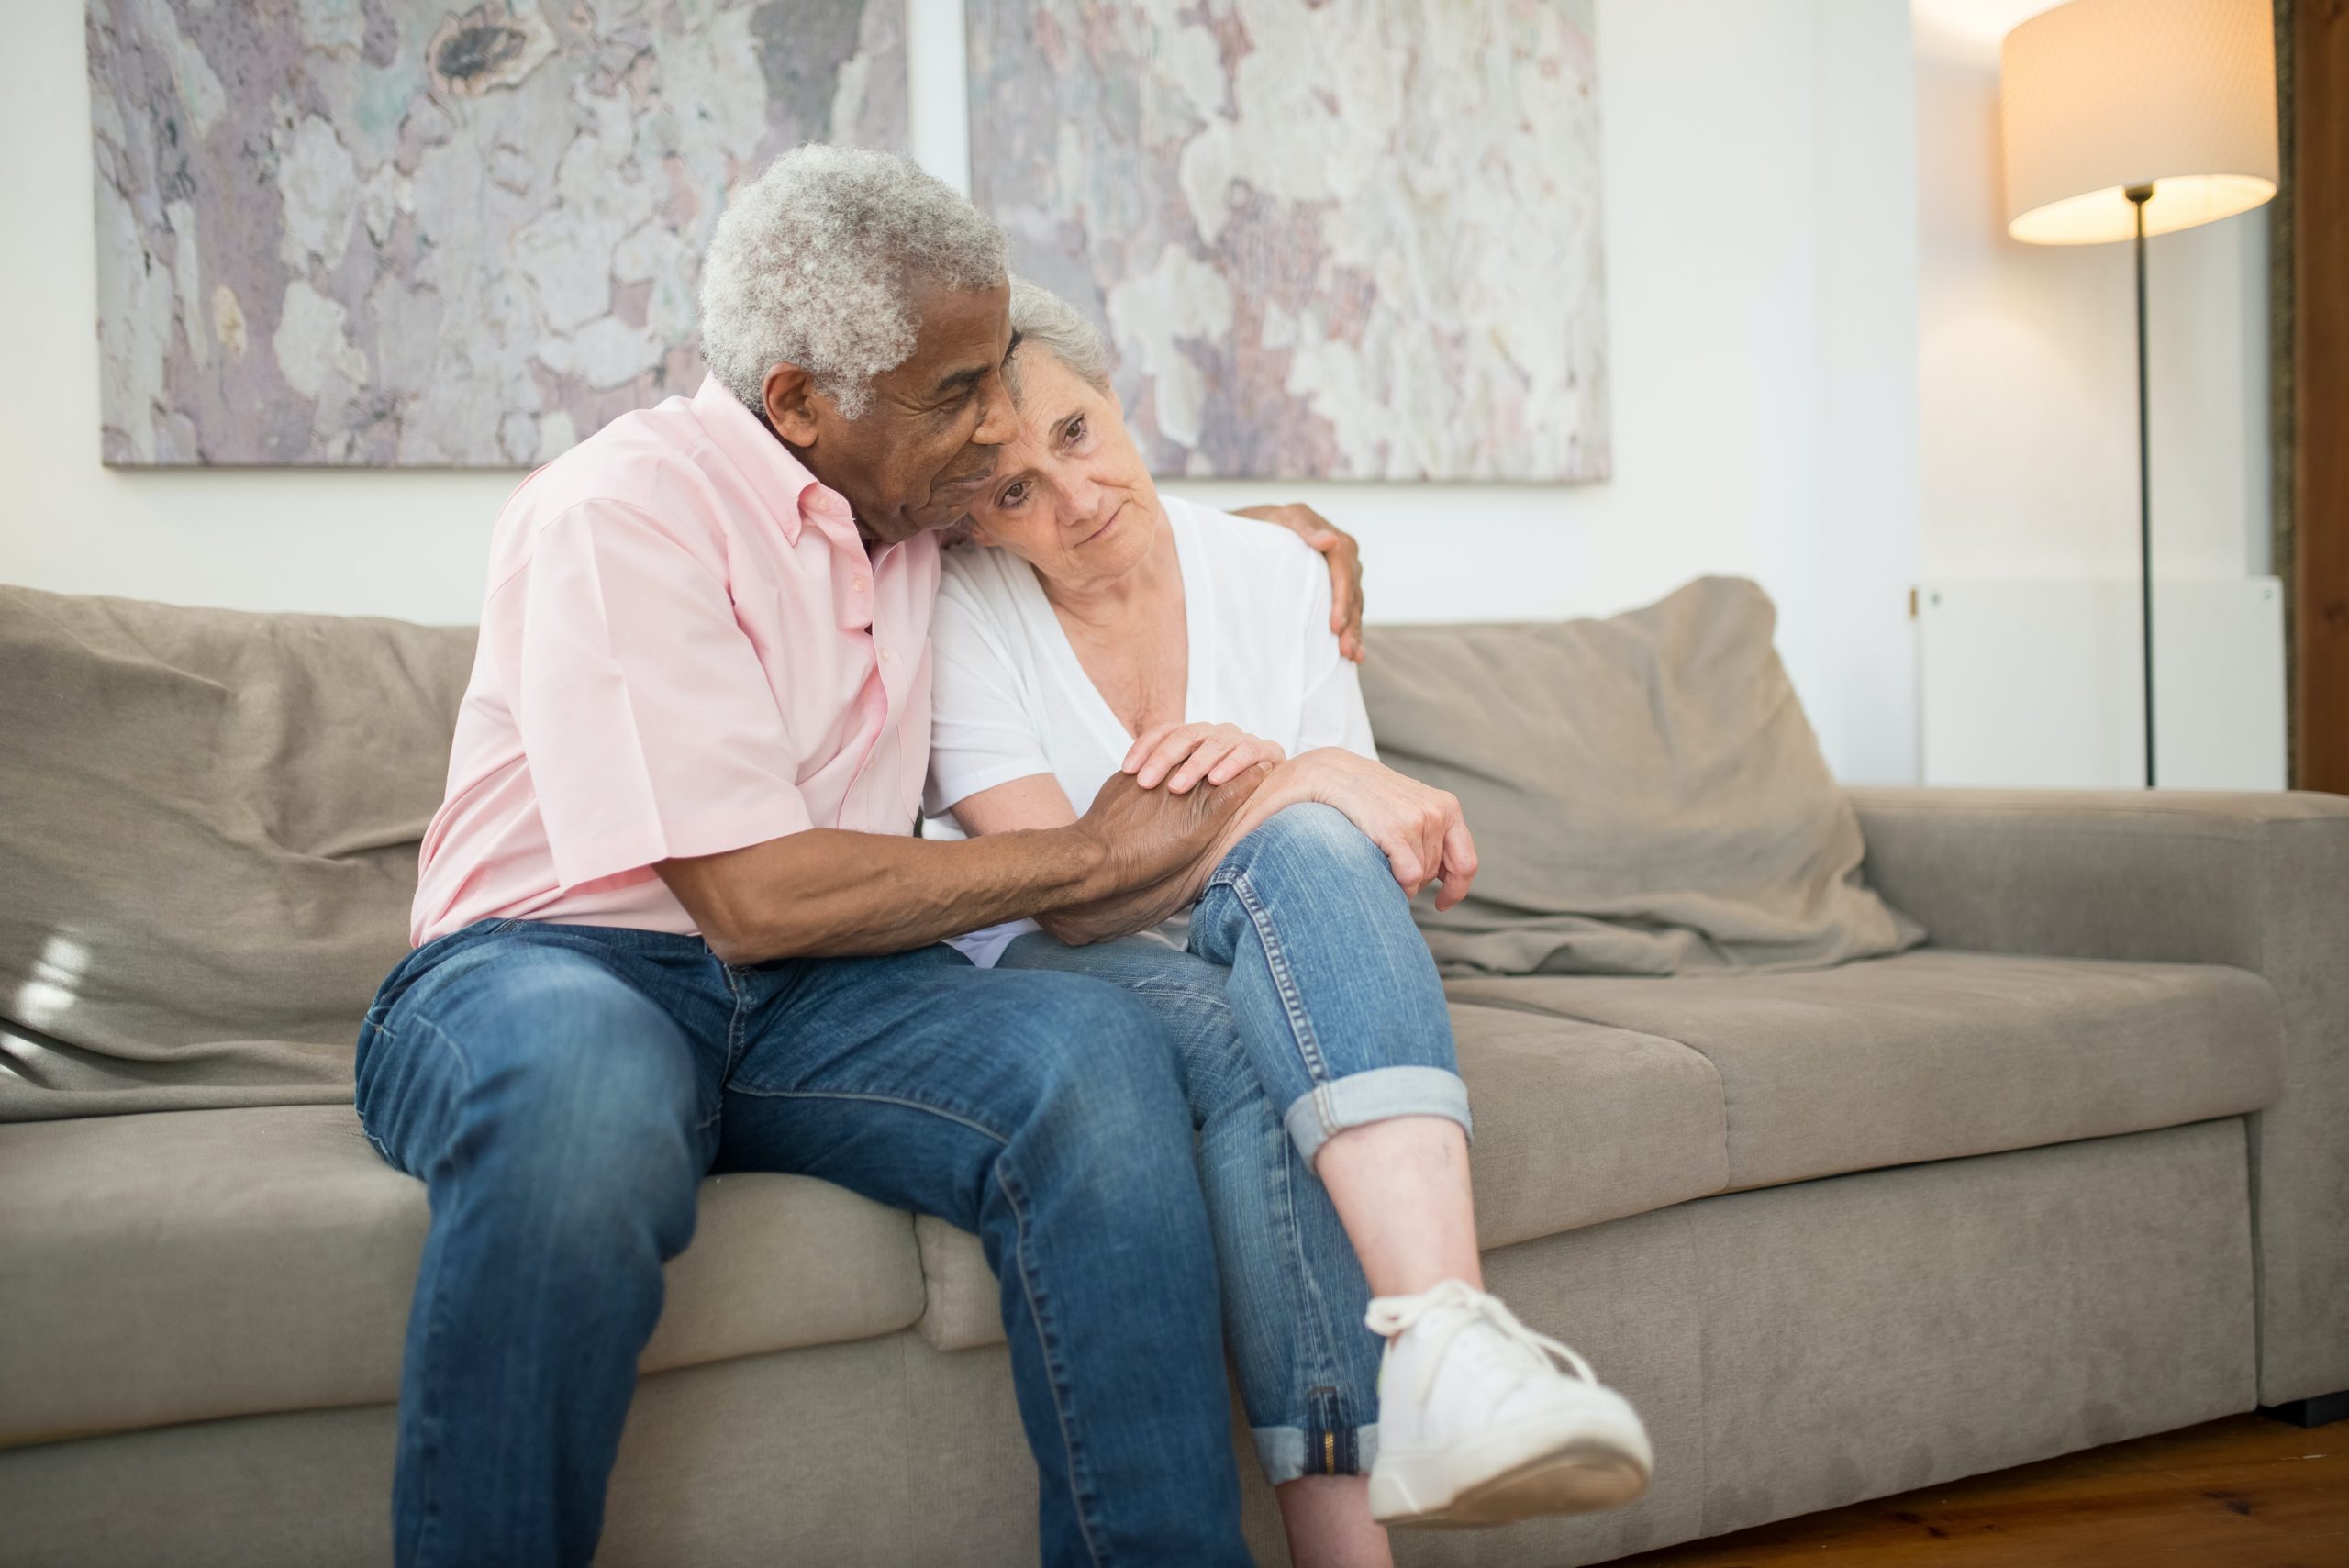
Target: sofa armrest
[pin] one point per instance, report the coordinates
(2256, 881)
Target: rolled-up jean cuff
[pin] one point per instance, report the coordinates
(1380, 1095)
(1282, 1452)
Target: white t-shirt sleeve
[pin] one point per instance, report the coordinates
(1333, 714)
(984, 731)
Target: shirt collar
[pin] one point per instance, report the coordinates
(794, 496)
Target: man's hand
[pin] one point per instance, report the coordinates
(1181, 755)
(1157, 852)
(1345, 566)
(1137, 857)
(1417, 827)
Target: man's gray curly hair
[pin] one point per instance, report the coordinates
(814, 264)
(1042, 320)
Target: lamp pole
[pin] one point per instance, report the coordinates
(2138, 197)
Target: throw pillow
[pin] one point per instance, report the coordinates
(1646, 795)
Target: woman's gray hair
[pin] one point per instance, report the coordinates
(1042, 320)
(814, 264)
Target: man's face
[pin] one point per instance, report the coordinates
(925, 449)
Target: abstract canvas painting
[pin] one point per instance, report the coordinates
(407, 232)
(1357, 239)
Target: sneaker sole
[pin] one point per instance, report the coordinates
(1584, 1473)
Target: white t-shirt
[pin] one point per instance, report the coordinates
(1008, 699)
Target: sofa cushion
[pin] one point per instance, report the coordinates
(1647, 794)
(1576, 1124)
(1934, 1054)
(211, 838)
(182, 1265)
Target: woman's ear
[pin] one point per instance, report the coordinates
(962, 531)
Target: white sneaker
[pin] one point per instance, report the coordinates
(1480, 1423)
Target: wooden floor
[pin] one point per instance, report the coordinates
(2246, 1492)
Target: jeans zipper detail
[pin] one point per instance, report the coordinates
(1328, 1418)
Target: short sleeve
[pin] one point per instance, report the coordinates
(1332, 713)
(982, 730)
(648, 723)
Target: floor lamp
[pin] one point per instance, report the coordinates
(2124, 118)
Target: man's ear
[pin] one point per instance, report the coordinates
(792, 402)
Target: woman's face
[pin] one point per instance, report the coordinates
(1070, 496)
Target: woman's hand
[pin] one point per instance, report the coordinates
(1344, 556)
(1417, 827)
(1183, 755)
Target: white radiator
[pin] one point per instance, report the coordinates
(2037, 682)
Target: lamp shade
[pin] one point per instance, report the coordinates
(2100, 95)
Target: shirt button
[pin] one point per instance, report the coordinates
(887, 657)
(859, 583)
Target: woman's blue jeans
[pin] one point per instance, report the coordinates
(1306, 1004)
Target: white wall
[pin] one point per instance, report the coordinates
(1761, 235)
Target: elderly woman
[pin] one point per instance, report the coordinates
(1092, 626)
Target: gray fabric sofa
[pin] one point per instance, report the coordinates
(2075, 1171)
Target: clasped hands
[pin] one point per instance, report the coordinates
(1187, 793)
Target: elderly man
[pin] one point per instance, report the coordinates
(672, 918)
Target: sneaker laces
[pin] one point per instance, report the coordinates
(1392, 1315)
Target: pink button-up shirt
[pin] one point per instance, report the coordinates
(685, 649)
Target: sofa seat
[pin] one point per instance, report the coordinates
(282, 1249)
(182, 1265)
(1576, 1123)
(1610, 1096)
(1935, 1054)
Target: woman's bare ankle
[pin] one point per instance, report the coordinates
(1401, 1189)
(1327, 1520)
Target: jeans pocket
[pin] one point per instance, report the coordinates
(371, 1029)
(362, 1061)
(421, 961)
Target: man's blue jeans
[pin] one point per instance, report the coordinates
(1306, 1004)
(561, 1089)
